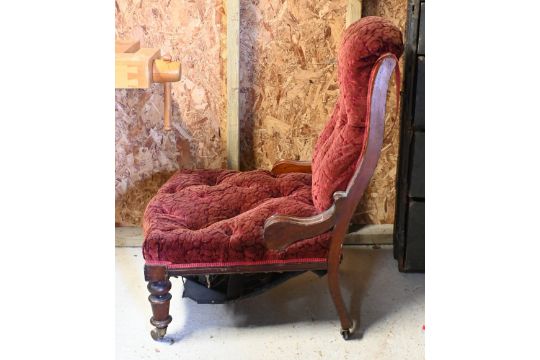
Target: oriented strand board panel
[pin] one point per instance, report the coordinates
(191, 32)
(287, 76)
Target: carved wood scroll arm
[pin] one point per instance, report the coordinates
(281, 231)
(287, 166)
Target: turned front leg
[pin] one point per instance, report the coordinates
(159, 286)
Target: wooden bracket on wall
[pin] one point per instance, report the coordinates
(138, 68)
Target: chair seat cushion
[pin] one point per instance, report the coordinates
(206, 216)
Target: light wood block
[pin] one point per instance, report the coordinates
(126, 46)
(138, 68)
(166, 71)
(135, 70)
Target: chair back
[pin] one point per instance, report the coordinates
(348, 148)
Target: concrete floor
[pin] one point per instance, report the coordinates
(296, 320)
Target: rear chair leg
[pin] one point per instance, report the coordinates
(347, 324)
(159, 286)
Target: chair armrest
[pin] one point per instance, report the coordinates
(288, 166)
(281, 231)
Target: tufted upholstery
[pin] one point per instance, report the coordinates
(209, 216)
(218, 216)
(343, 140)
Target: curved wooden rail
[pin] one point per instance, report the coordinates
(281, 230)
(287, 166)
(376, 99)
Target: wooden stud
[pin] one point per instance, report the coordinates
(233, 84)
(354, 11)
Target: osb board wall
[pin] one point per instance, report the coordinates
(191, 32)
(288, 87)
(287, 76)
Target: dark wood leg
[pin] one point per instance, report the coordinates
(334, 259)
(159, 286)
(335, 291)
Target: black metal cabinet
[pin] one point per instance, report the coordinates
(409, 228)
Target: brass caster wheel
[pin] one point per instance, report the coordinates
(158, 334)
(345, 334)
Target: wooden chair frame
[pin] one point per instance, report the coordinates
(281, 231)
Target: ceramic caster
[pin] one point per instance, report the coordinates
(158, 334)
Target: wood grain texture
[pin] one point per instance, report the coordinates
(146, 155)
(288, 77)
(281, 231)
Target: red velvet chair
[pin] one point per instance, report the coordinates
(293, 218)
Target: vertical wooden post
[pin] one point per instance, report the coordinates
(233, 84)
(354, 11)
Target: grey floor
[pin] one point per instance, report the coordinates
(295, 320)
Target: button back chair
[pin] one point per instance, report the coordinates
(293, 218)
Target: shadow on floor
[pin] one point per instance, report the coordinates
(365, 273)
